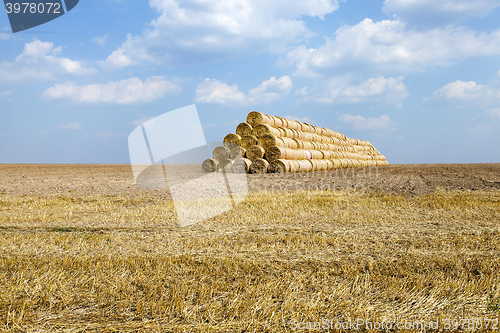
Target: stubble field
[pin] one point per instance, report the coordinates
(82, 248)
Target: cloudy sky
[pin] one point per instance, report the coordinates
(420, 79)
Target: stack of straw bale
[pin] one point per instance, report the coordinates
(266, 143)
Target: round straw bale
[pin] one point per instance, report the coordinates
(307, 128)
(324, 165)
(337, 163)
(329, 164)
(262, 129)
(268, 140)
(314, 164)
(344, 162)
(300, 143)
(279, 166)
(225, 165)
(255, 152)
(209, 165)
(248, 141)
(241, 165)
(244, 129)
(294, 165)
(233, 139)
(259, 166)
(284, 121)
(274, 153)
(289, 143)
(277, 121)
(237, 152)
(220, 153)
(305, 166)
(292, 124)
(255, 118)
(315, 154)
(326, 154)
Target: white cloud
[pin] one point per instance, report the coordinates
(101, 40)
(5, 96)
(388, 48)
(70, 126)
(195, 31)
(40, 61)
(127, 91)
(340, 91)
(438, 12)
(464, 90)
(214, 91)
(302, 91)
(466, 94)
(495, 111)
(302, 119)
(5, 35)
(362, 123)
(479, 129)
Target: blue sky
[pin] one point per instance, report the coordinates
(418, 79)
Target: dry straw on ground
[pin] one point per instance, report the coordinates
(112, 263)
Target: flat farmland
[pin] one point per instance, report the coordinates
(83, 248)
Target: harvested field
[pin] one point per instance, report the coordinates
(84, 249)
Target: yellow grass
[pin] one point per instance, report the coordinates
(112, 263)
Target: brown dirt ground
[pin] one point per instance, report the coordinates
(410, 180)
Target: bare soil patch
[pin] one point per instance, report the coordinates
(410, 180)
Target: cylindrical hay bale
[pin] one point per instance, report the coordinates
(241, 165)
(255, 152)
(262, 129)
(279, 166)
(220, 153)
(337, 163)
(316, 154)
(326, 154)
(284, 122)
(244, 129)
(344, 163)
(225, 165)
(259, 166)
(322, 165)
(329, 164)
(293, 124)
(237, 152)
(277, 121)
(300, 143)
(288, 143)
(294, 165)
(209, 165)
(268, 140)
(255, 118)
(248, 141)
(232, 139)
(275, 153)
(305, 166)
(314, 165)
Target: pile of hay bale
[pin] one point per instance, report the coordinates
(274, 144)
